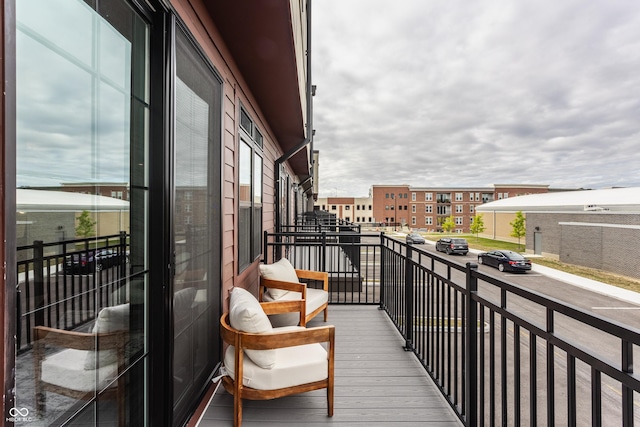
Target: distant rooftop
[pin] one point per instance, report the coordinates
(610, 199)
(28, 200)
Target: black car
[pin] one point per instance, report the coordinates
(452, 245)
(93, 260)
(415, 238)
(505, 260)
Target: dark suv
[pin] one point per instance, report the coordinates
(452, 245)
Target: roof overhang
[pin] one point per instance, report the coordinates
(260, 37)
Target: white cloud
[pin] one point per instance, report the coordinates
(444, 93)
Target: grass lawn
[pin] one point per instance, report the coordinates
(590, 273)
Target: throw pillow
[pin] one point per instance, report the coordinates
(110, 319)
(246, 315)
(281, 270)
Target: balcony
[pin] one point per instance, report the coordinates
(419, 337)
(410, 322)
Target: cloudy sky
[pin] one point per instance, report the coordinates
(459, 93)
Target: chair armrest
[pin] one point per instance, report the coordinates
(276, 339)
(77, 340)
(279, 307)
(289, 338)
(321, 276)
(279, 284)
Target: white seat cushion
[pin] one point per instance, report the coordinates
(281, 270)
(315, 299)
(66, 369)
(294, 365)
(246, 315)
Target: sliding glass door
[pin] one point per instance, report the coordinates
(196, 224)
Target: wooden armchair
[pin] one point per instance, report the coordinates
(281, 282)
(265, 363)
(81, 364)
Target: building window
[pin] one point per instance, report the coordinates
(413, 197)
(413, 220)
(413, 208)
(334, 208)
(428, 197)
(471, 208)
(443, 210)
(459, 208)
(386, 195)
(428, 220)
(428, 208)
(250, 197)
(477, 197)
(347, 208)
(459, 197)
(459, 220)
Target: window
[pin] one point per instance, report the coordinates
(458, 197)
(459, 220)
(443, 210)
(413, 208)
(477, 197)
(428, 197)
(459, 208)
(428, 220)
(334, 208)
(347, 208)
(250, 188)
(413, 197)
(471, 208)
(413, 220)
(428, 208)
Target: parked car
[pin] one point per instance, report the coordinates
(505, 260)
(93, 260)
(415, 238)
(452, 245)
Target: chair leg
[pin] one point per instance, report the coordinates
(326, 313)
(330, 401)
(237, 409)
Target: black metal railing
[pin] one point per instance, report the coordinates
(500, 354)
(62, 284)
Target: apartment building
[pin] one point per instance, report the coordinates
(428, 207)
(354, 209)
(421, 207)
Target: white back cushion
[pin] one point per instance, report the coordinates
(281, 270)
(110, 319)
(246, 315)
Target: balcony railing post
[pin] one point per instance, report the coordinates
(408, 298)
(38, 282)
(382, 270)
(470, 348)
(323, 252)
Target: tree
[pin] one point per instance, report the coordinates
(477, 226)
(85, 225)
(518, 228)
(449, 224)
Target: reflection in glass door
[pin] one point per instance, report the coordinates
(82, 111)
(196, 225)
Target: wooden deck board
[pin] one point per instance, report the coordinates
(376, 383)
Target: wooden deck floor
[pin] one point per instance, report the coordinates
(377, 382)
